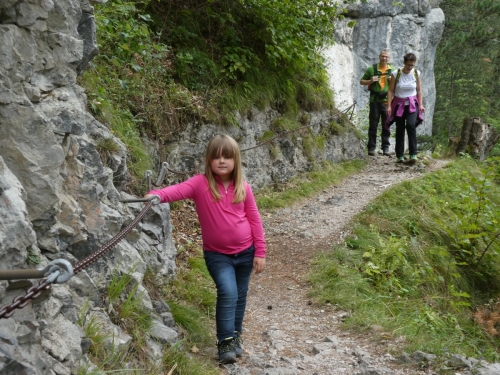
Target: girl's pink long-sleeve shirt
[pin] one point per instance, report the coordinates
(226, 227)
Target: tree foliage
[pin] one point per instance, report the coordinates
(243, 38)
(467, 65)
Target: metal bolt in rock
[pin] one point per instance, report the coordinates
(60, 270)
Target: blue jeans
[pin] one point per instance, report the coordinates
(231, 274)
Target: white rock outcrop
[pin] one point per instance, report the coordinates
(415, 26)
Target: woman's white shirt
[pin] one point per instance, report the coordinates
(407, 84)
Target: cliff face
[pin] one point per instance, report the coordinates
(416, 27)
(60, 195)
(58, 199)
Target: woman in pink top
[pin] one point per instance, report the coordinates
(232, 233)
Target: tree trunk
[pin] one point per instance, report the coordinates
(451, 99)
(477, 138)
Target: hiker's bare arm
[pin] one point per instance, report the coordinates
(390, 94)
(419, 95)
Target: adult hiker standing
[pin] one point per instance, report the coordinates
(405, 106)
(377, 77)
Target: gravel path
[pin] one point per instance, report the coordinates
(284, 332)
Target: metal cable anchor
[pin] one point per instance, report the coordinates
(148, 179)
(162, 174)
(155, 199)
(60, 270)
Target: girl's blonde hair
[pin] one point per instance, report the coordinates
(224, 145)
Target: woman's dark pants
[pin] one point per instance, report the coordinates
(406, 122)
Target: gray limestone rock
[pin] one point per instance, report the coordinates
(163, 333)
(415, 27)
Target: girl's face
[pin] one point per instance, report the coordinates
(222, 167)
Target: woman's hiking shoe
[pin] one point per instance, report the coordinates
(237, 344)
(401, 159)
(226, 351)
(413, 159)
(371, 153)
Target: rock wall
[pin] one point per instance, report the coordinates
(61, 199)
(415, 26)
(266, 163)
(58, 199)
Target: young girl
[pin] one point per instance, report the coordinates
(232, 234)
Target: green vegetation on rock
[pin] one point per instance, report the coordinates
(165, 63)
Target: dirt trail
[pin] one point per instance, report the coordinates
(284, 333)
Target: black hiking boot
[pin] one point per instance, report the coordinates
(226, 351)
(237, 344)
